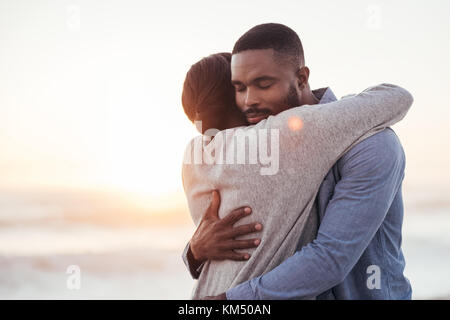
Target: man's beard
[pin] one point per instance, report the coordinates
(292, 98)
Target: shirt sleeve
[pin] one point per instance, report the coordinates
(188, 261)
(371, 174)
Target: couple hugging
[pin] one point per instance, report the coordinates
(295, 194)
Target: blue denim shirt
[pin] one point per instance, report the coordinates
(357, 253)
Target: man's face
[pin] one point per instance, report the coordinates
(264, 86)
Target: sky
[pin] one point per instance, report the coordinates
(90, 91)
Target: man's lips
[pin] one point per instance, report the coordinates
(256, 117)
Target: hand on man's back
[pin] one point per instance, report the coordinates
(214, 238)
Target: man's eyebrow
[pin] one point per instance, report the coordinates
(262, 78)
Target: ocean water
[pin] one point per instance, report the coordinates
(41, 237)
(114, 263)
(122, 251)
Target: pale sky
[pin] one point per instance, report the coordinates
(90, 91)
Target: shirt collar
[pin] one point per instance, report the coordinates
(324, 95)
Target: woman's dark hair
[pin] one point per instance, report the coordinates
(207, 87)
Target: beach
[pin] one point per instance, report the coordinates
(143, 261)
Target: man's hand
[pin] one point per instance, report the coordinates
(214, 238)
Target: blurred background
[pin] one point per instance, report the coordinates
(92, 131)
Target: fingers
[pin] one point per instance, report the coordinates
(244, 229)
(236, 215)
(213, 209)
(231, 255)
(241, 244)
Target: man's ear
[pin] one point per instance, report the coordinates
(302, 77)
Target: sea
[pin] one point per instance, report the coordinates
(79, 245)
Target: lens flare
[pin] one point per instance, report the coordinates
(295, 123)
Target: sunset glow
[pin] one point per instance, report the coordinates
(90, 96)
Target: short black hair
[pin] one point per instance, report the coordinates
(207, 86)
(278, 37)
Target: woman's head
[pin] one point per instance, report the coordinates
(208, 94)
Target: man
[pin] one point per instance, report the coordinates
(359, 202)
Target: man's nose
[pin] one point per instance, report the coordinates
(251, 98)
